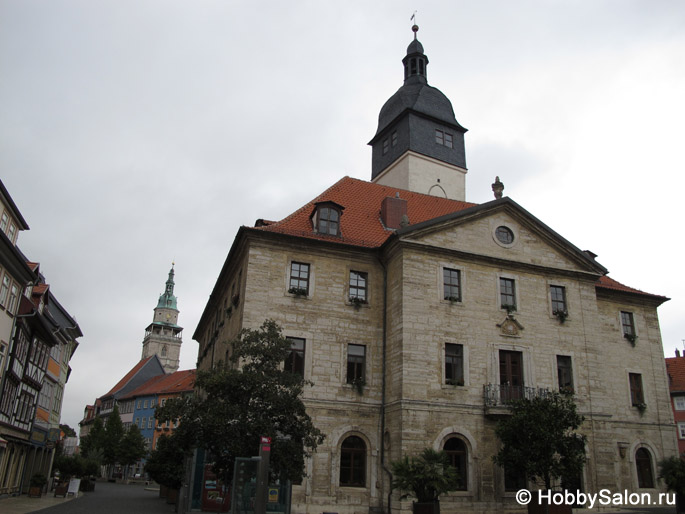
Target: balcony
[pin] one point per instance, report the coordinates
(497, 397)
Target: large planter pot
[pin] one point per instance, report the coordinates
(542, 508)
(172, 496)
(35, 492)
(426, 508)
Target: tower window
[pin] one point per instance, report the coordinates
(413, 66)
(386, 146)
(393, 138)
(444, 138)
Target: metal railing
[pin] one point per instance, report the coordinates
(495, 395)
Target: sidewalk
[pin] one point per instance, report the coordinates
(23, 504)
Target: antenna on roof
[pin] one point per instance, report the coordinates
(414, 27)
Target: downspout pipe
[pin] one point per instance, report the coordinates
(384, 374)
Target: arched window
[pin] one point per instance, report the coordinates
(456, 450)
(643, 463)
(164, 351)
(353, 462)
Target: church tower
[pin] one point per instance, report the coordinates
(419, 145)
(163, 335)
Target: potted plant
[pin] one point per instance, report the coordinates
(36, 485)
(357, 302)
(641, 407)
(672, 472)
(298, 291)
(561, 315)
(452, 299)
(509, 308)
(359, 384)
(425, 477)
(631, 337)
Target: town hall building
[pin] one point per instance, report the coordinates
(418, 315)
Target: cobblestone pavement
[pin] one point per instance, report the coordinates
(107, 498)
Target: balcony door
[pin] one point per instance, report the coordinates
(510, 375)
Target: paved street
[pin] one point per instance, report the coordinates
(106, 499)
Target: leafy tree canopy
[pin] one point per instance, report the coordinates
(165, 464)
(426, 477)
(540, 439)
(114, 433)
(132, 447)
(94, 442)
(68, 431)
(672, 472)
(255, 397)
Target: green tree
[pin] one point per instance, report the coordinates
(132, 447)
(114, 433)
(256, 397)
(165, 463)
(68, 431)
(540, 439)
(426, 477)
(94, 442)
(672, 472)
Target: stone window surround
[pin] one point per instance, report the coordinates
(465, 361)
(495, 223)
(441, 283)
(574, 376)
(529, 378)
(471, 449)
(557, 283)
(633, 467)
(308, 350)
(630, 371)
(371, 455)
(312, 275)
(357, 269)
(517, 282)
(620, 323)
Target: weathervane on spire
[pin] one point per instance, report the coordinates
(415, 27)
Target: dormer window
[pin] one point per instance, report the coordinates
(326, 218)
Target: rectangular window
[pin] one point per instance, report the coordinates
(4, 289)
(12, 233)
(454, 364)
(358, 281)
(294, 362)
(150, 420)
(25, 407)
(8, 397)
(628, 323)
(681, 430)
(143, 421)
(57, 405)
(45, 397)
(448, 140)
(145, 404)
(14, 294)
(507, 293)
(140, 402)
(356, 363)
(386, 146)
(3, 355)
(451, 280)
(152, 403)
(393, 137)
(162, 402)
(637, 396)
(679, 402)
(558, 295)
(299, 278)
(565, 373)
(439, 137)
(510, 375)
(4, 221)
(138, 421)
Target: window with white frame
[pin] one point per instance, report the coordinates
(4, 289)
(679, 402)
(681, 429)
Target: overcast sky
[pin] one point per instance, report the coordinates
(135, 133)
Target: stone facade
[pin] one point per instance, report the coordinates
(419, 408)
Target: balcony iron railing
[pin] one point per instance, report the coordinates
(497, 395)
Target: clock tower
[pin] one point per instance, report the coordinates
(163, 335)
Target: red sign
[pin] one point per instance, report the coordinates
(266, 440)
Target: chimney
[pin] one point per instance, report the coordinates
(393, 210)
(677, 352)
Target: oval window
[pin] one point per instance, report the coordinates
(504, 235)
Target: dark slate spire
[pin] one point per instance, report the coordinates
(409, 119)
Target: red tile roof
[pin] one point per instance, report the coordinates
(128, 377)
(609, 283)
(178, 382)
(675, 367)
(360, 222)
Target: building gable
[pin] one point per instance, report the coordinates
(502, 230)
